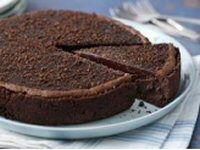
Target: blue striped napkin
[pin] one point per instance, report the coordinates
(172, 131)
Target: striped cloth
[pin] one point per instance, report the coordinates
(172, 131)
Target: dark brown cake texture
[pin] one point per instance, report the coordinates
(157, 68)
(46, 76)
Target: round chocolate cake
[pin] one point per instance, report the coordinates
(67, 67)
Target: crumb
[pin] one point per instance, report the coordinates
(132, 110)
(145, 107)
(141, 104)
(149, 112)
(155, 109)
(139, 111)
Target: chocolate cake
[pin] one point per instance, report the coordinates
(59, 67)
(157, 68)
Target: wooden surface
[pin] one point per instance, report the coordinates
(187, 8)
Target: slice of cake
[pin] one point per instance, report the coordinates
(157, 68)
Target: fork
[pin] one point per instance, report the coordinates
(144, 12)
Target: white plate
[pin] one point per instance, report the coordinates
(7, 4)
(16, 9)
(126, 120)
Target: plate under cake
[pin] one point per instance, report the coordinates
(43, 81)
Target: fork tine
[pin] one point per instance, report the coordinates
(129, 10)
(149, 6)
(138, 9)
(129, 7)
(116, 12)
(143, 7)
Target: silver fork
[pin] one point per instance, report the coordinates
(144, 12)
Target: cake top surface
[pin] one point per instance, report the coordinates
(37, 50)
(32, 49)
(68, 28)
(32, 55)
(56, 70)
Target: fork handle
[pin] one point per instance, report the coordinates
(180, 28)
(171, 30)
(182, 19)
